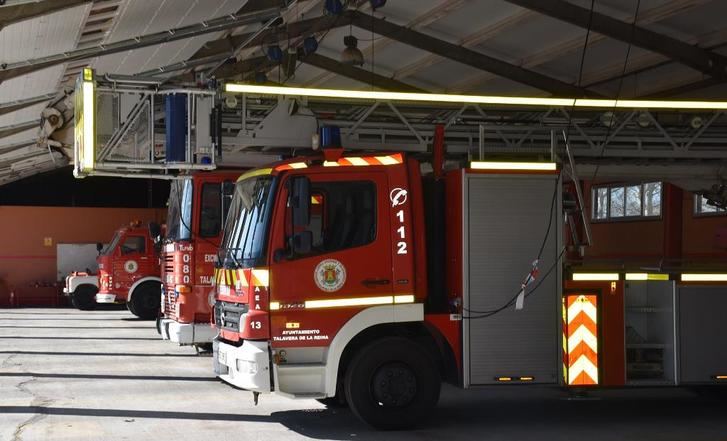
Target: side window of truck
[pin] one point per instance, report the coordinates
(133, 244)
(210, 219)
(343, 215)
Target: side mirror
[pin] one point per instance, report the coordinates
(302, 242)
(300, 200)
(99, 247)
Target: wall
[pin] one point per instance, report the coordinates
(677, 236)
(28, 238)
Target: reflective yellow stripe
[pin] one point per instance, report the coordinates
(297, 165)
(704, 277)
(595, 276)
(260, 277)
(253, 173)
(331, 164)
(359, 301)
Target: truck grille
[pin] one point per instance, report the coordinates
(227, 315)
(170, 301)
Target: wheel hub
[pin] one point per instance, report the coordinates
(394, 385)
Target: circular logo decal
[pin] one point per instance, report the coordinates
(397, 197)
(131, 266)
(330, 275)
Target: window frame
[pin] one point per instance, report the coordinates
(625, 218)
(696, 208)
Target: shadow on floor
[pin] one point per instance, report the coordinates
(107, 377)
(97, 354)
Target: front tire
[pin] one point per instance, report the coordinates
(145, 300)
(84, 297)
(392, 384)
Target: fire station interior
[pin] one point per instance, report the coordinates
(363, 219)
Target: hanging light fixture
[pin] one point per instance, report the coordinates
(351, 55)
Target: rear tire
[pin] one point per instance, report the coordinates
(130, 308)
(145, 300)
(392, 384)
(84, 297)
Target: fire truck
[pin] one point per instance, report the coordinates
(356, 279)
(197, 208)
(128, 271)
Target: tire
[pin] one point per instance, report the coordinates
(84, 297)
(145, 300)
(130, 308)
(392, 384)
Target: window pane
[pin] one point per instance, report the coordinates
(652, 199)
(600, 207)
(343, 216)
(133, 244)
(633, 200)
(617, 202)
(704, 206)
(210, 219)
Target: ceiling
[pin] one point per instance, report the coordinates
(514, 47)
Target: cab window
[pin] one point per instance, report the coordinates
(210, 219)
(342, 215)
(133, 244)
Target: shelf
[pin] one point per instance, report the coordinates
(647, 309)
(646, 346)
(650, 382)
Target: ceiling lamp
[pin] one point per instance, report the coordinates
(351, 55)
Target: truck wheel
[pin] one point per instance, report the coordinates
(84, 297)
(130, 308)
(144, 301)
(392, 384)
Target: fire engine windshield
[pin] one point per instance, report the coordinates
(244, 242)
(179, 213)
(110, 247)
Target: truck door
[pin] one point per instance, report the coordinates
(348, 268)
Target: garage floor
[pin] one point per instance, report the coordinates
(103, 375)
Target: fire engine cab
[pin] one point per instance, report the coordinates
(198, 205)
(352, 278)
(129, 271)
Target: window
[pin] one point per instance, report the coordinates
(133, 244)
(210, 216)
(702, 206)
(627, 201)
(343, 215)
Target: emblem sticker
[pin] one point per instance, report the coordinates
(131, 266)
(330, 275)
(398, 197)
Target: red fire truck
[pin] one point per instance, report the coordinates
(128, 271)
(197, 209)
(357, 279)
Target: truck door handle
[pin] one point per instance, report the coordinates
(373, 282)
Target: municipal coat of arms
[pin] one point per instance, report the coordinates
(330, 275)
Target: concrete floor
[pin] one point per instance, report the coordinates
(103, 375)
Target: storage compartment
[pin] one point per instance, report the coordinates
(702, 333)
(506, 218)
(650, 339)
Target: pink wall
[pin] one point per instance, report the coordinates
(28, 260)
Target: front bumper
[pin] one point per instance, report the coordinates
(186, 333)
(105, 298)
(246, 366)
